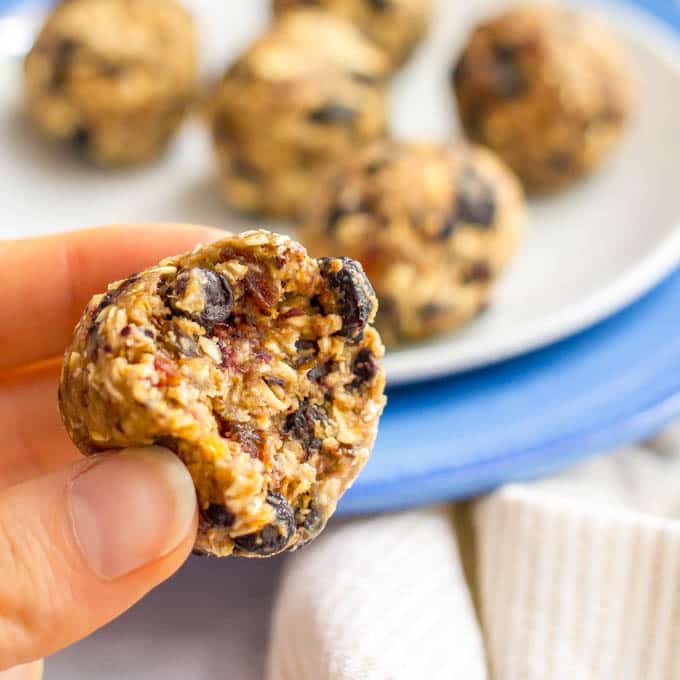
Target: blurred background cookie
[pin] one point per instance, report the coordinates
(547, 89)
(112, 77)
(396, 26)
(432, 225)
(308, 92)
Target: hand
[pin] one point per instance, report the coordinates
(81, 539)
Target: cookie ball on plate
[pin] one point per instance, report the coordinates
(548, 89)
(396, 26)
(310, 91)
(256, 364)
(433, 226)
(112, 77)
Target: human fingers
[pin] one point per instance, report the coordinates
(79, 546)
(48, 280)
(34, 440)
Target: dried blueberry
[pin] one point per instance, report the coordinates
(333, 113)
(303, 345)
(364, 366)
(477, 272)
(80, 139)
(354, 296)
(311, 525)
(449, 225)
(302, 425)
(249, 438)
(217, 515)
(375, 166)
(459, 71)
(182, 342)
(475, 201)
(107, 299)
(342, 209)
(319, 371)
(212, 291)
(364, 78)
(431, 311)
(63, 55)
(559, 161)
(508, 78)
(274, 537)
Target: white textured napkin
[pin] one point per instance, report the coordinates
(574, 578)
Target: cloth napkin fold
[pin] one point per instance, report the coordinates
(570, 578)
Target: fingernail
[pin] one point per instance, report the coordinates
(130, 508)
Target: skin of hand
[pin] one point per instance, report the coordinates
(81, 539)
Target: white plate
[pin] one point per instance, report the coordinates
(588, 252)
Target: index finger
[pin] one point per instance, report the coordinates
(49, 280)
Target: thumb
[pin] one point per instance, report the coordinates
(80, 546)
(30, 671)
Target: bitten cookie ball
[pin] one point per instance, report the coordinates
(395, 26)
(256, 364)
(547, 89)
(309, 92)
(432, 225)
(113, 78)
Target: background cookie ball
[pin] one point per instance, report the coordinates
(309, 92)
(396, 26)
(547, 89)
(432, 225)
(113, 77)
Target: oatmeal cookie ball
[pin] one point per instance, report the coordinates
(432, 225)
(396, 26)
(256, 364)
(547, 89)
(112, 77)
(309, 92)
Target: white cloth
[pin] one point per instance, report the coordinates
(574, 578)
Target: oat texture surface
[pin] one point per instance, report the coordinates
(433, 225)
(254, 363)
(545, 87)
(113, 78)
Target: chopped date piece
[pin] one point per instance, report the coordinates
(261, 289)
(166, 370)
